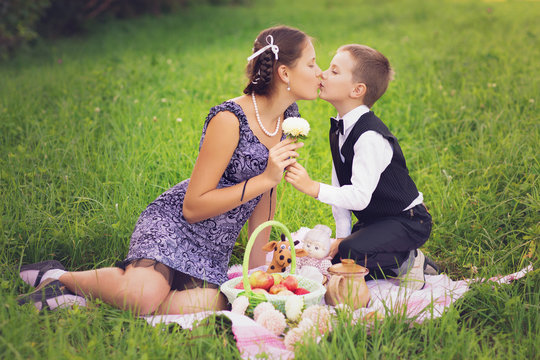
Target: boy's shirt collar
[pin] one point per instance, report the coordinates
(350, 118)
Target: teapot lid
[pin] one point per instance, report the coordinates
(348, 267)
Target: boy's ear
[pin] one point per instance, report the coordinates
(359, 91)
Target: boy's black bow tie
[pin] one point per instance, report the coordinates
(336, 125)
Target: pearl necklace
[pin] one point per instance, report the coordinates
(259, 118)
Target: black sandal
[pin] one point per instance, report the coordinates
(27, 272)
(430, 268)
(51, 294)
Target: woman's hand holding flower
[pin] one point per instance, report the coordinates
(280, 156)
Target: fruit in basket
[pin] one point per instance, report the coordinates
(277, 278)
(277, 288)
(240, 285)
(260, 291)
(301, 291)
(285, 292)
(290, 282)
(260, 279)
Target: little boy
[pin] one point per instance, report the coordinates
(369, 174)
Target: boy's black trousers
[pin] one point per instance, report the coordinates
(385, 243)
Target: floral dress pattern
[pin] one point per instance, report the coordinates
(202, 249)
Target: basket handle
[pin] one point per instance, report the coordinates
(251, 240)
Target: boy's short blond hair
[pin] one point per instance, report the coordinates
(371, 68)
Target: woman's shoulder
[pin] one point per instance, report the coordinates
(228, 106)
(224, 119)
(292, 111)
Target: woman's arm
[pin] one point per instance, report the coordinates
(262, 213)
(203, 200)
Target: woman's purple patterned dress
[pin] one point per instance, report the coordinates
(202, 249)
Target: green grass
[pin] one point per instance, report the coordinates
(89, 135)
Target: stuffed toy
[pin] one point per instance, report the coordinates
(282, 254)
(317, 245)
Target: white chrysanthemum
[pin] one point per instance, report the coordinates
(293, 307)
(273, 320)
(240, 305)
(295, 126)
(305, 329)
(293, 337)
(320, 316)
(306, 324)
(262, 307)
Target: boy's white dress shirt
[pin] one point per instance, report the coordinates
(366, 171)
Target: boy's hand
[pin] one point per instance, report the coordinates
(334, 247)
(280, 156)
(298, 177)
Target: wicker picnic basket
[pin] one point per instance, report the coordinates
(316, 290)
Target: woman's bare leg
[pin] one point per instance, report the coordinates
(140, 289)
(192, 301)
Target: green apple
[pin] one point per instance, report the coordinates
(277, 278)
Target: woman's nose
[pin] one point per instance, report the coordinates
(323, 75)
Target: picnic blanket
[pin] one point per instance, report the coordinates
(387, 297)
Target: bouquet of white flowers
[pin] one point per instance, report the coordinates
(295, 127)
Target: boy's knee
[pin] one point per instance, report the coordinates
(345, 249)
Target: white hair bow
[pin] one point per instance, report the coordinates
(270, 42)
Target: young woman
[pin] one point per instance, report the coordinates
(181, 246)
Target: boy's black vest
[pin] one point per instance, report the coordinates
(395, 190)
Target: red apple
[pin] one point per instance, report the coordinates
(301, 291)
(240, 285)
(277, 288)
(290, 282)
(261, 279)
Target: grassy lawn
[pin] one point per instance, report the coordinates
(94, 127)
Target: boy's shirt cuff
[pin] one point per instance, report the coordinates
(342, 216)
(325, 193)
(343, 229)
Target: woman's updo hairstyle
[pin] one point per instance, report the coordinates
(261, 70)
